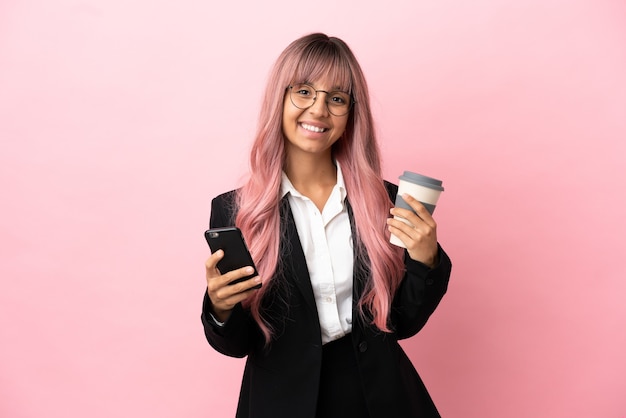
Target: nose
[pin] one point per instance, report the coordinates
(319, 105)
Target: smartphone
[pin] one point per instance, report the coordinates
(236, 254)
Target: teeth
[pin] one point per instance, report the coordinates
(313, 128)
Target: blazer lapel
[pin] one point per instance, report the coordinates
(291, 252)
(361, 262)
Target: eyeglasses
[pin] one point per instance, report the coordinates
(303, 96)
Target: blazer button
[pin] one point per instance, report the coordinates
(363, 346)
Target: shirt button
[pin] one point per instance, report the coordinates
(363, 347)
(329, 299)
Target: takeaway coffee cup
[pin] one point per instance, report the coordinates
(423, 188)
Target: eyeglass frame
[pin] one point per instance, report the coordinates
(352, 101)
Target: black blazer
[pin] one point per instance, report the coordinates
(282, 380)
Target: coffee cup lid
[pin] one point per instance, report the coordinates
(422, 180)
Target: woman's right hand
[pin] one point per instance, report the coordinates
(224, 296)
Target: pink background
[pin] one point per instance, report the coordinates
(119, 120)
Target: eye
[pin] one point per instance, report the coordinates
(338, 98)
(303, 90)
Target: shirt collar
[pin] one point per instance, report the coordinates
(287, 186)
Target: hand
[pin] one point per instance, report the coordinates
(224, 296)
(419, 235)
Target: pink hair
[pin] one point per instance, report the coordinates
(311, 58)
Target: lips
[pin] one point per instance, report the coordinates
(313, 128)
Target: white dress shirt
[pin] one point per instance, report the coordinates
(326, 240)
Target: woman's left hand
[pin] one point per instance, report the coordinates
(420, 235)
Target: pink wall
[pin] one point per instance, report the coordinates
(120, 120)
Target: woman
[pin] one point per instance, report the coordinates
(321, 334)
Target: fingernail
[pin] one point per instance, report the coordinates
(249, 270)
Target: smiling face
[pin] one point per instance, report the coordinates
(313, 130)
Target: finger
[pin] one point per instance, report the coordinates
(237, 274)
(221, 283)
(419, 209)
(416, 233)
(403, 231)
(417, 206)
(246, 285)
(211, 264)
(406, 216)
(397, 232)
(228, 295)
(230, 301)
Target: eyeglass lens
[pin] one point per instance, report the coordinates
(303, 96)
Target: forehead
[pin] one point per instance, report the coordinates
(324, 74)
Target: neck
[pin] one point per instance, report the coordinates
(313, 177)
(312, 171)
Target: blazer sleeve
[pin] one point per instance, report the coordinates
(419, 294)
(420, 291)
(238, 334)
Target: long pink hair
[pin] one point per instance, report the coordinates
(311, 58)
